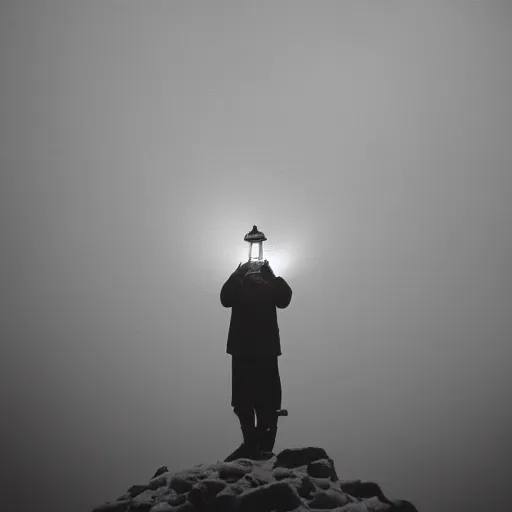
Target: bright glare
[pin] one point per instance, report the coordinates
(279, 258)
(279, 262)
(255, 251)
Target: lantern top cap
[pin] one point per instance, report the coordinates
(255, 235)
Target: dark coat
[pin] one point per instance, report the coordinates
(253, 330)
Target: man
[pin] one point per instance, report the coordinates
(253, 292)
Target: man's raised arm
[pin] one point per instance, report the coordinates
(279, 288)
(230, 289)
(281, 292)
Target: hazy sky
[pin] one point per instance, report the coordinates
(369, 141)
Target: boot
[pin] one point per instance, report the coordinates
(239, 453)
(250, 442)
(267, 439)
(249, 448)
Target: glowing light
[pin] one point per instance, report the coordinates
(280, 260)
(286, 260)
(255, 251)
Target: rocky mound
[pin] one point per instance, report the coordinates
(295, 480)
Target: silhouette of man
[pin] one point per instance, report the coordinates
(253, 292)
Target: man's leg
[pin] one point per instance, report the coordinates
(246, 417)
(267, 404)
(242, 403)
(249, 446)
(266, 429)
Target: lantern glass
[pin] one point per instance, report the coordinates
(256, 251)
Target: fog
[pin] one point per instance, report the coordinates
(369, 141)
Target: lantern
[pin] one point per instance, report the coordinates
(255, 239)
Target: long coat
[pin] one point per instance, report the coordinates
(253, 329)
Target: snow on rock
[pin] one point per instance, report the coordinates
(296, 480)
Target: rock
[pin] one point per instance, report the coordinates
(140, 507)
(296, 480)
(143, 501)
(334, 475)
(134, 490)
(361, 489)
(176, 499)
(305, 487)
(281, 473)
(328, 500)
(233, 470)
(353, 507)
(161, 493)
(162, 507)
(159, 471)
(373, 504)
(320, 468)
(251, 481)
(225, 501)
(299, 457)
(262, 474)
(159, 481)
(186, 507)
(196, 498)
(204, 493)
(115, 506)
(274, 496)
(323, 483)
(403, 506)
(214, 485)
(180, 484)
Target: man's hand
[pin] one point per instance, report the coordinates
(267, 271)
(249, 266)
(242, 269)
(239, 271)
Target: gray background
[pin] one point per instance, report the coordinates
(370, 141)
